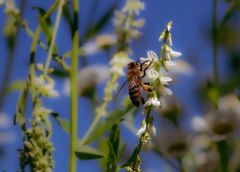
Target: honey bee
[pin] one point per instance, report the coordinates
(136, 71)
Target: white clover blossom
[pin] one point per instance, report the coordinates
(151, 57)
(169, 65)
(133, 6)
(153, 101)
(152, 74)
(169, 53)
(88, 77)
(118, 62)
(101, 41)
(181, 67)
(2, 2)
(167, 91)
(11, 7)
(142, 129)
(199, 124)
(150, 129)
(165, 79)
(42, 112)
(5, 120)
(175, 54)
(45, 87)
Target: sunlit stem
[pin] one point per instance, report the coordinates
(56, 26)
(74, 91)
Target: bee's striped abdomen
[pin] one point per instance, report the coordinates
(135, 96)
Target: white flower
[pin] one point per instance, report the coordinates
(152, 74)
(184, 68)
(199, 124)
(88, 77)
(151, 56)
(167, 91)
(175, 54)
(118, 70)
(90, 47)
(142, 130)
(5, 121)
(169, 53)
(168, 65)
(230, 102)
(133, 6)
(42, 112)
(165, 79)
(153, 101)
(118, 62)
(2, 2)
(11, 7)
(169, 25)
(46, 89)
(152, 131)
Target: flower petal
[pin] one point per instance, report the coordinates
(175, 54)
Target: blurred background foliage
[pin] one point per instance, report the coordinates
(197, 127)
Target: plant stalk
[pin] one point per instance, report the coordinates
(74, 91)
(51, 47)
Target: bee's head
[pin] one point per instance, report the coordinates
(132, 65)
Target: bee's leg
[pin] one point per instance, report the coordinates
(146, 87)
(144, 70)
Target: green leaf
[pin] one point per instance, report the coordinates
(68, 54)
(98, 26)
(230, 12)
(113, 118)
(132, 158)
(19, 117)
(121, 151)
(64, 123)
(15, 86)
(68, 17)
(113, 148)
(85, 152)
(46, 26)
(115, 138)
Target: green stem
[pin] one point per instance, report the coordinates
(223, 150)
(50, 51)
(74, 91)
(215, 44)
(91, 128)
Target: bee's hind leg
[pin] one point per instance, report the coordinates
(146, 87)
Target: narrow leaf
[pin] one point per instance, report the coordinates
(64, 123)
(19, 117)
(98, 26)
(84, 152)
(114, 118)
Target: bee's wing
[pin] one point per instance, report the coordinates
(120, 90)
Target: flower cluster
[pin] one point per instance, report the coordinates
(45, 86)
(118, 62)
(154, 75)
(37, 149)
(159, 82)
(10, 7)
(127, 26)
